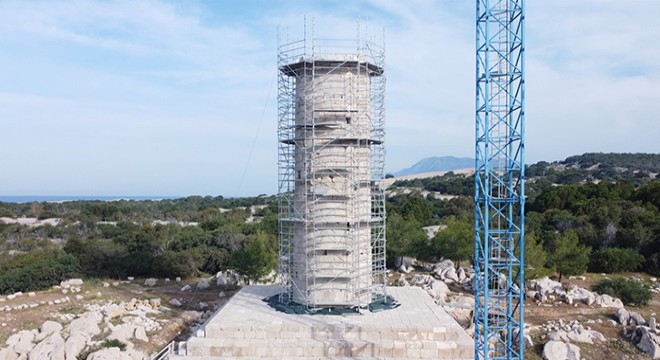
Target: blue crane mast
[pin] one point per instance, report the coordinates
(499, 180)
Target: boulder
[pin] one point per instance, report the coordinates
(546, 286)
(175, 302)
(141, 334)
(114, 311)
(8, 354)
(636, 318)
(71, 283)
(580, 294)
(450, 274)
(404, 269)
(647, 341)
(203, 284)
(607, 301)
(622, 315)
(21, 342)
(185, 288)
(122, 332)
(155, 303)
(461, 274)
(558, 350)
(438, 290)
(112, 353)
(51, 348)
(74, 345)
(86, 325)
(150, 282)
(48, 328)
(652, 323)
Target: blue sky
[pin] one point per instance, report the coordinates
(179, 98)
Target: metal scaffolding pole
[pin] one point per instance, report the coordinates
(499, 180)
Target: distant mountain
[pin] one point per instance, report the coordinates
(437, 163)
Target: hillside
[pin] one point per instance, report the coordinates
(437, 163)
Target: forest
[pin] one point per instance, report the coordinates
(607, 219)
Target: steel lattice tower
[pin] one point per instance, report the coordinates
(499, 180)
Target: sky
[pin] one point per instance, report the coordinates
(177, 98)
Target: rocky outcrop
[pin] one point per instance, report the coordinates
(54, 342)
(647, 341)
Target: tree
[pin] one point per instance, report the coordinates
(405, 237)
(611, 260)
(255, 260)
(456, 241)
(568, 256)
(535, 258)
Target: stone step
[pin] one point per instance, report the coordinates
(305, 348)
(220, 331)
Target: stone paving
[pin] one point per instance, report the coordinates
(248, 328)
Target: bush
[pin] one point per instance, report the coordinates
(612, 260)
(631, 292)
(39, 275)
(653, 264)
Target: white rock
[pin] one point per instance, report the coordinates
(71, 282)
(141, 334)
(461, 274)
(32, 294)
(451, 274)
(557, 350)
(86, 325)
(122, 332)
(112, 353)
(178, 279)
(105, 284)
(622, 315)
(652, 323)
(48, 328)
(202, 284)
(51, 348)
(21, 342)
(130, 278)
(74, 345)
(150, 282)
(175, 302)
(8, 354)
(547, 286)
(185, 288)
(637, 318)
(647, 341)
(114, 310)
(608, 301)
(79, 297)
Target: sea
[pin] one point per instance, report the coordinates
(61, 198)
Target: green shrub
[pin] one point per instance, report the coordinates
(631, 292)
(114, 343)
(39, 275)
(612, 260)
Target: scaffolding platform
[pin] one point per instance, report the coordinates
(248, 328)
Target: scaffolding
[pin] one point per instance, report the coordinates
(499, 180)
(331, 160)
